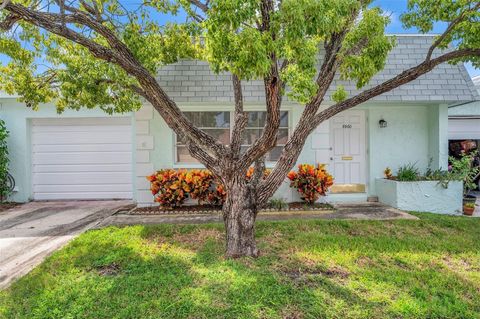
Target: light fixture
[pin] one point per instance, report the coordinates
(382, 123)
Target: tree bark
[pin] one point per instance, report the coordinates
(239, 214)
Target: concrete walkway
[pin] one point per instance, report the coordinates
(30, 232)
(354, 211)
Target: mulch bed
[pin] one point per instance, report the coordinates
(213, 210)
(8, 205)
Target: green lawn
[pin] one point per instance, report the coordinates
(428, 268)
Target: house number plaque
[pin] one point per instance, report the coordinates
(347, 126)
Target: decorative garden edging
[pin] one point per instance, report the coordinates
(209, 210)
(421, 196)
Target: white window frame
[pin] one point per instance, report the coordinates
(268, 164)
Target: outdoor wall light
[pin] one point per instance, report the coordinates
(382, 123)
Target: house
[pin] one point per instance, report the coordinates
(90, 155)
(464, 126)
(464, 118)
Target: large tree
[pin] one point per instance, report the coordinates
(106, 53)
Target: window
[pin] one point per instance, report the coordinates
(256, 121)
(219, 125)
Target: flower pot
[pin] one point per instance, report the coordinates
(468, 210)
(469, 199)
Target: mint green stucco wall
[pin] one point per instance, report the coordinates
(17, 118)
(413, 135)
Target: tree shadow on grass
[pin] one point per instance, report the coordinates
(150, 279)
(180, 272)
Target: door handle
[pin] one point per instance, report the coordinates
(331, 158)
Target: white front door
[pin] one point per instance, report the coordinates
(348, 148)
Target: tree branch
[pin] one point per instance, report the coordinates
(449, 29)
(120, 54)
(273, 96)
(240, 118)
(401, 79)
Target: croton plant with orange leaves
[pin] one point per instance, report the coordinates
(171, 188)
(310, 181)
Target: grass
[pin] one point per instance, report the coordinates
(428, 268)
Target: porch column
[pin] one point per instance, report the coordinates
(438, 136)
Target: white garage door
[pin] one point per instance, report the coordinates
(461, 129)
(82, 158)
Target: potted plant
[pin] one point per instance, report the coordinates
(468, 208)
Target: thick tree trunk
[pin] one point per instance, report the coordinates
(239, 213)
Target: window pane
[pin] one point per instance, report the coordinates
(250, 135)
(284, 119)
(183, 156)
(223, 135)
(257, 119)
(209, 119)
(282, 136)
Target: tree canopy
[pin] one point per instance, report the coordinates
(106, 53)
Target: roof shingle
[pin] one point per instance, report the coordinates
(193, 81)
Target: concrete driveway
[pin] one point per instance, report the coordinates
(30, 232)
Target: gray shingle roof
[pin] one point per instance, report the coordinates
(476, 82)
(193, 81)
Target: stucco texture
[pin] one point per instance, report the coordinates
(421, 196)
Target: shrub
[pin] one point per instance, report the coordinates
(217, 196)
(464, 169)
(4, 187)
(310, 181)
(278, 204)
(199, 184)
(172, 187)
(169, 187)
(408, 173)
(252, 169)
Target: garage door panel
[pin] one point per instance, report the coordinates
(90, 121)
(87, 158)
(65, 148)
(82, 178)
(89, 195)
(461, 129)
(83, 158)
(48, 138)
(77, 168)
(90, 188)
(80, 128)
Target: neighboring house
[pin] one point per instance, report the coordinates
(464, 119)
(90, 155)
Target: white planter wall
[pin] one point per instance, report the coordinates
(421, 196)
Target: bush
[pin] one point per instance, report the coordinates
(310, 181)
(408, 173)
(169, 187)
(464, 169)
(217, 196)
(4, 187)
(199, 184)
(172, 187)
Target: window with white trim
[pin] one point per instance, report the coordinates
(220, 124)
